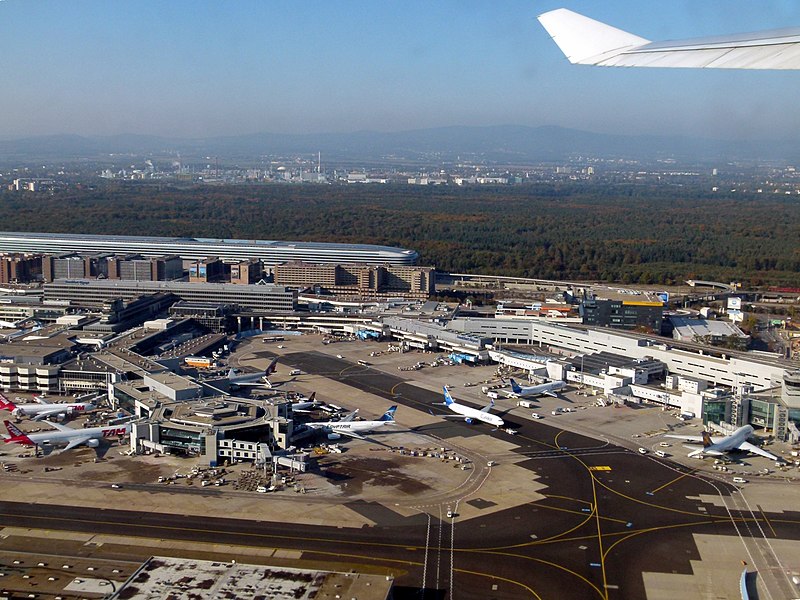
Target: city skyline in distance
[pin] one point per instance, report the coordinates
(499, 145)
(198, 70)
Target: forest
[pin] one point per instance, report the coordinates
(622, 233)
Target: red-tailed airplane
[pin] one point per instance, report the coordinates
(42, 410)
(65, 435)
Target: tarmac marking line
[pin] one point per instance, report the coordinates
(673, 481)
(652, 529)
(554, 565)
(567, 498)
(575, 512)
(767, 520)
(198, 530)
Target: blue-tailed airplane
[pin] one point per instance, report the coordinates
(350, 427)
(469, 414)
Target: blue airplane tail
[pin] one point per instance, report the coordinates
(448, 399)
(389, 414)
(515, 387)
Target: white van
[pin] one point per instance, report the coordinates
(642, 450)
(739, 480)
(295, 372)
(661, 453)
(536, 416)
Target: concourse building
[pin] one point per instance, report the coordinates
(229, 250)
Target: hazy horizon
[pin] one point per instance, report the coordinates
(198, 70)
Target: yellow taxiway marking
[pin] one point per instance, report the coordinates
(767, 520)
(673, 481)
(554, 565)
(601, 468)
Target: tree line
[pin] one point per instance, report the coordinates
(644, 234)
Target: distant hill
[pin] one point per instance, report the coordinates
(506, 144)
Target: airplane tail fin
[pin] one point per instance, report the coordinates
(515, 387)
(389, 414)
(584, 40)
(312, 397)
(6, 404)
(272, 367)
(707, 441)
(16, 434)
(231, 373)
(448, 399)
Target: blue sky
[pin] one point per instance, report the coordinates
(204, 68)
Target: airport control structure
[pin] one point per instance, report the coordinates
(268, 252)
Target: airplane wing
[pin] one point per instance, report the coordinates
(349, 417)
(61, 427)
(77, 441)
(49, 413)
(40, 400)
(688, 438)
(453, 416)
(747, 446)
(550, 393)
(589, 42)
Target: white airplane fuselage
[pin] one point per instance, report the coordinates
(719, 446)
(471, 414)
(62, 437)
(34, 410)
(345, 427)
(542, 389)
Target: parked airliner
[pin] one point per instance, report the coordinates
(253, 379)
(43, 409)
(469, 414)
(350, 427)
(65, 435)
(543, 389)
(719, 446)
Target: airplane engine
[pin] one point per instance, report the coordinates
(18, 412)
(93, 443)
(469, 421)
(334, 436)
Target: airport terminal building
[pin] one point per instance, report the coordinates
(268, 252)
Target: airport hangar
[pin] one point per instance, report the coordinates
(269, 252)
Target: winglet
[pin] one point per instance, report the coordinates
(584, 40)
